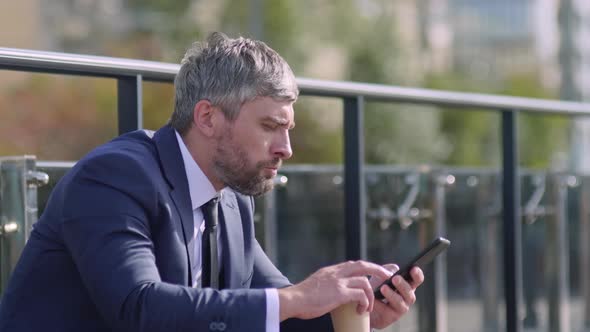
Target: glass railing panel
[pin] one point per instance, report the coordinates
(406, 206)
(549, 210)
(19, 181)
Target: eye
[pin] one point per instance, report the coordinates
(269, 126)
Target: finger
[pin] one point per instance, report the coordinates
(382, 307)
(417, 277)
(394, 300)
(391, 267)
(364, 284)
(404, 289)
(384, 310)
(363, 268)
(358, 296)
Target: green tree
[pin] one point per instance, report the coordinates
(57, 118)
(543, 139)
(394, 133)
(473, 134)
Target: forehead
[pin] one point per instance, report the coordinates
(268, 108)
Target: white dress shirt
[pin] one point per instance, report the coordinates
(201, 191)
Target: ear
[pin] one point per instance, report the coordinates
(206, 117)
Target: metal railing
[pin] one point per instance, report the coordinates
(131, 73)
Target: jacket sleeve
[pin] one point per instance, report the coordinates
(108, 217)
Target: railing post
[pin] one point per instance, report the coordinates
(584, 240)
(488, 215)
(432, 310)
(557, 253)
(129, 106)
(271, 236)
(512, 227)
(535, 219)
(354, 179)
(270, 226)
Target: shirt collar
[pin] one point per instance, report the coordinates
(200, 188)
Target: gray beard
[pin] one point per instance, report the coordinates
(230, 166)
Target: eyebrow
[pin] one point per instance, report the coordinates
(280, 121)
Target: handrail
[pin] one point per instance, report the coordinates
(440, 97)
(89, 65)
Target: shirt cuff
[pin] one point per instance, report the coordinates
(272, 310)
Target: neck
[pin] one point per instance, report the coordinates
(202, 150)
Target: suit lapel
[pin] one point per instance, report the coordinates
(173, 166)
(232, 241)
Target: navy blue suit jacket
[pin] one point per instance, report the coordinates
(113, 249)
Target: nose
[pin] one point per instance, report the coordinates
(282, 147)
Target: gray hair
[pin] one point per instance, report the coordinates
(229, 72)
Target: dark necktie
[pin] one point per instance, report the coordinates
(210, 268)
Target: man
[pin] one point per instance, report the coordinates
(121, 243)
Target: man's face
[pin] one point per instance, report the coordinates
(251, 149)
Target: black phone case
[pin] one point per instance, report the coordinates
(423, 258)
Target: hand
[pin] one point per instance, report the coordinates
(396, 303)
(329, 288)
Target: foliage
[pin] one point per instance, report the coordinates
(543, 139)
(473, 134)
(46, 113)
(52, 118)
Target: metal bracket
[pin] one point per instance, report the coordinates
(533, 209)
(406, 214)
(8, 228)
(37, 178)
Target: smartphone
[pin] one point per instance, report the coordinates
(423, 258)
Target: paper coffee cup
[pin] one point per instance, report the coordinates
(346, 319)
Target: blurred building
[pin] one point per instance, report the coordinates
(425, 36)
(481, 39)
(22, 27)
(66, 25)
(493, 39)
(497, 38)
(574, 48)
(77, 26)
(84, 26)
(574, 60)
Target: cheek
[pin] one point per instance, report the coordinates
(257, 142)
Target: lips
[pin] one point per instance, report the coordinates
(272, 165)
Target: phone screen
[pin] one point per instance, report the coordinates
(422, 259)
